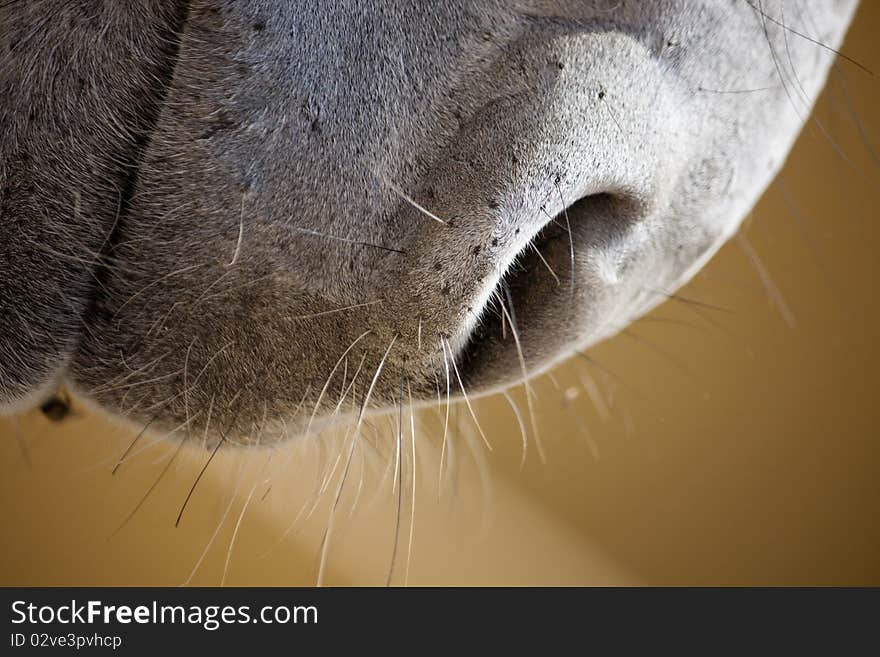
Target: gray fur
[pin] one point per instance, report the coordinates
(275, 185)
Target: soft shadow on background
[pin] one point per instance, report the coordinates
(730, 441)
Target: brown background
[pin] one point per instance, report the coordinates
(736, 448)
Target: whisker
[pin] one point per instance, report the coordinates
(196, 482)
(132, 444)
(361, 478)
(525, 375)
(150, 489)
(626, 386)
(445, 428)
(240, 234)
(330, 472)
(854, 116)
(570, 238)
(610, 112)
(412, 503)
(659, 350)
(216, 532)
(522, 427)
(244, 509)
(334, 311)
(397, 454)
(22, 444)
(737, 91)
(687, 300)
(398, 475)
(314, 233)
(413, 203)
(467, 401)
(650, 319)
(595, 395)
(774, 294)
(157, 440)
(805, 113)
(176, 272)
(812, 40)
(330, 378)
(546, 264)
(329, 530)
(186, 383)
(205, 467)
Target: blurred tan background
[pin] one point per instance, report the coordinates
(729, 445)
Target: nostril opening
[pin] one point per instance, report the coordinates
(616, 210)
(601, 217)
(545, 273)
(608, 214)
(545, 270)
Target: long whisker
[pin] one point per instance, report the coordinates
(546, 264)
(240, 234)
(216, 532)
(397, 455)
(810, 39)
(413, 203)
(330, 378)
(158, 440)
(132, 444)
(773, 291)
(150, 489)
(650, 405)
(186, 384)
(328, 476)
(445, 428)
(688, 300)
(525, 377)
(467, 400)
(522, 427)
(284, 432)
(397, 476)
(329, 530)
(632, 335)
(412, 502)
(361, 478)
(570, 238)
(327, 471)
(115, 381)
(314, 233)
(244, 509)
(205, 467)
(176, 272)
(334, 311)
(595, 395)
(196, 482)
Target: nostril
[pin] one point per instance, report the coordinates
(552, 280)
(595, 220)
(615, 211)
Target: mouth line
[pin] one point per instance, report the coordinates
(103, 268)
